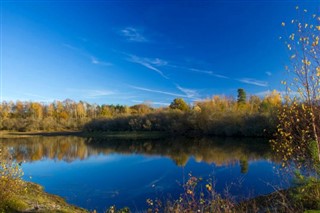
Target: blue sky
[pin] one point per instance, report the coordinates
(130, 51)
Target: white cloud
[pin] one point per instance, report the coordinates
(70, 46)
(133, 35)
(159, 91)
(92, 93)
(253, 82)
(209, 72)
(190, 93)
(152, 102)
(220, 76)
(156, 61)
(282, 93)
(149, 63)
(94, 60)
(98, 93)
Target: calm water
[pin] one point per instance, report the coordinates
(95, 174)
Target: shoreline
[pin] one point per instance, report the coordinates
(112, 134)
(35, 199)
(15, 134)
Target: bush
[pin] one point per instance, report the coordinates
(11, 183)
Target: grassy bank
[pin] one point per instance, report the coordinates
(34, 199)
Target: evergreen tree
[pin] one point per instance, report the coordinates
(241, 96)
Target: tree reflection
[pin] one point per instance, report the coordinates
(220, 151)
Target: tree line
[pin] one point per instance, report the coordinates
(58, 115)
(218, 115)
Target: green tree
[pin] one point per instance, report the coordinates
(241, 96)
(180, 104)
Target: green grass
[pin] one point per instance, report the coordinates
(36, 200)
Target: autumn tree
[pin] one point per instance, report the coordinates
(80, 110)
(36, 110)
(140, 109)
(18, 109)
(297, 137)
(106, 111)
(4, 110)
(271, 102)
(254, 103)
(49, 110)
(180, 104)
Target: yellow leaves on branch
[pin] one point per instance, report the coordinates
(209, 187)
(295, 130)
(289, 47)
(318, 71)
(316, 41)
(291, 36)
(306, 62)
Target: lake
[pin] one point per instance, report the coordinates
(97, 173)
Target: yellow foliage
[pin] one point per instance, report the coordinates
(273, 99)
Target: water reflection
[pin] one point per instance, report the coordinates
(97, 173)
(220, 151)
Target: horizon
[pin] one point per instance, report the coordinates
(132, 52)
